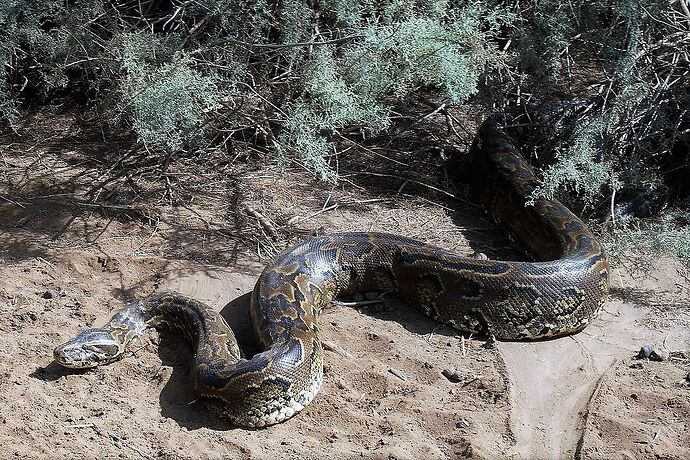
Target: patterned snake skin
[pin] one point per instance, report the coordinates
(559, 293)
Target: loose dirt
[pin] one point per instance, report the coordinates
(67, 264)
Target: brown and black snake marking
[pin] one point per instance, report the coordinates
(559, 293)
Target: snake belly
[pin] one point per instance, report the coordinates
(557, 294)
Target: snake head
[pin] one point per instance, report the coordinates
(89, 348)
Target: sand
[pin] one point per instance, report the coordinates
(385, 395)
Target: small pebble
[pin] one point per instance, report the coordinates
(659, 355)
(452, 375)
(645, 352)
(637, 365)
(462, 424)
(50, 294)
(648, 352)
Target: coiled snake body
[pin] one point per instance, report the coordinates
(559, 293)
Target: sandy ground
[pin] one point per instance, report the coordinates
(384, 395)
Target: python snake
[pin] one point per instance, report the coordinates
(559, 293)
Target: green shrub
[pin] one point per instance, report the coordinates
(667, 234)
(396, 54)
(166, 102)
(319, 68)
(629, 59)
(300, 75)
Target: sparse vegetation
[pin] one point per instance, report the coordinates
(293, 79)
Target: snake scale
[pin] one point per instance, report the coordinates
(557, 294)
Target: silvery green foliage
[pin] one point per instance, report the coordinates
(667, 234)
(300, 73)
(400, 48)
(162, 68)
(579, 166)
(165, 97)
(166, 103)
(629, 58)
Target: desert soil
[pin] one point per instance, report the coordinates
(68, 264)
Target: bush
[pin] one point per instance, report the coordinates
(304, 70)
(166, 103)
(629, 60)
(668, 234)
(293, 77)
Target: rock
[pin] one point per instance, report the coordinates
(645, 352)
(659, 355)
(49, 294)
(452, 375)
(636, 366)
(648, 352)
(462, 424)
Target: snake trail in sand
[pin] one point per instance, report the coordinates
(558, 294)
